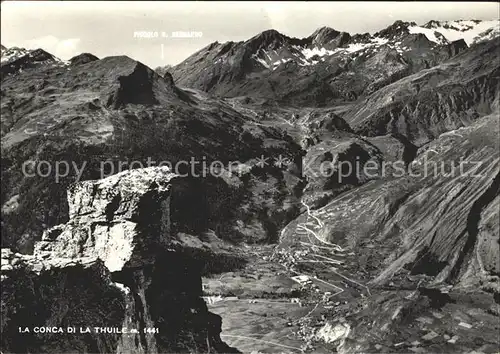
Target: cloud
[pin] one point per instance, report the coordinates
(277, 15)
(61, 48)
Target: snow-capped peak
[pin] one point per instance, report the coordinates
(324, 35)
(13, 53)
(471, 31)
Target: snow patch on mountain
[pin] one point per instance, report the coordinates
(356, 47)
(431, 34)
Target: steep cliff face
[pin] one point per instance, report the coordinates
(118, 264)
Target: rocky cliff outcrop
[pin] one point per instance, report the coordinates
(118, 267)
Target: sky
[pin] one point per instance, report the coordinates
(105, 28)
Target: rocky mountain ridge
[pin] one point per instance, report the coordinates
(127, 263)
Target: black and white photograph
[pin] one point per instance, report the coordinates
(250, 177)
